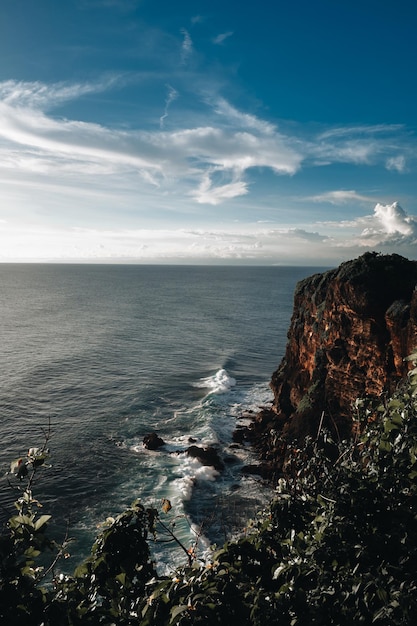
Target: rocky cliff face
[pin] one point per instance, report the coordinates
(350, 331)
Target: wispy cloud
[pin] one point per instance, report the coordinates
(207, 164)
(221, 38)
(37, 95)
(187, 46)
(241, 119)
(361, 145)
(39, 140)
(207, 193)
(397, 163)
(172, 95)
(78, 141)
(340, 196)
(359, 131)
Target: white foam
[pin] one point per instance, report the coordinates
(190, 471)
(220, 382)
(192, 487)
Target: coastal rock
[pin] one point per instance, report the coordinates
(152, 441)
(350, 331)
(206, 456)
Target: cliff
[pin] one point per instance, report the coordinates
(350, 331)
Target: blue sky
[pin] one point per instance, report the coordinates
(207, 132)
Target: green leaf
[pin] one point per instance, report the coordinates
(177, 610)
(385, 446)
(121, 578)
(42, 521)
(81, 571)
(395, 403)
(32, 552)
(28, 571)
(19, 520)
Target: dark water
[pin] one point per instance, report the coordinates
(106, 354)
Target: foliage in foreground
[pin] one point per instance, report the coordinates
(338, 545)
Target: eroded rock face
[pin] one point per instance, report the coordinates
(350, 331)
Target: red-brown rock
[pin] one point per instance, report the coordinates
(350, 331)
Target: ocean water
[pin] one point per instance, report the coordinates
(105, 354)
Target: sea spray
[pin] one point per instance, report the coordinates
(220, 382)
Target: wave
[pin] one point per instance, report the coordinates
(191, 471)
(220, 382)
(207, 505)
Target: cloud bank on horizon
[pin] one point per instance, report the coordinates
(155, 163)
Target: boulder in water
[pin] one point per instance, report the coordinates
(153, 441)
(206, 456)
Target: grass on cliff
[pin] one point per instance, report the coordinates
(337, 545)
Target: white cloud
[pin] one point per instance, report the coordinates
(250, 243)
(361, 145)
(158, 245)
(339, 197)
(37, 95)
(364, 131)
(306, 236)
(394, 220)
(38, 142)
(388, 227)
(221, 38)
(43, 143)
(355, 151)
(243, 120)
(187, 46)
(55, 168)
(172, 95)
(79, 142)
(209, 194)
(388, 224)
(397, 163)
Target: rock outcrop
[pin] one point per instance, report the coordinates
(350, 331)
(153, 441)
(206, 456)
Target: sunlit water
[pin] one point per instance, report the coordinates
(107, 354)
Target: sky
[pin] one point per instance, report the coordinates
(207, 132)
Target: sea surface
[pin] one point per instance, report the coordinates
(104, 354)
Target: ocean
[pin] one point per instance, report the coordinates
(104, 354)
